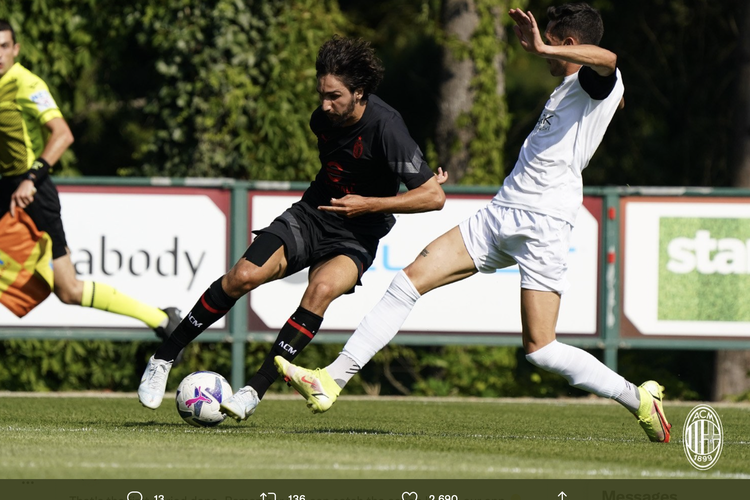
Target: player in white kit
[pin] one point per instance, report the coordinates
(528, 223)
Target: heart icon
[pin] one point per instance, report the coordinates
(409, 495)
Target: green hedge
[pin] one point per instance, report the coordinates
(51, 365)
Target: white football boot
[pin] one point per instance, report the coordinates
(241, 405)
(154, 382)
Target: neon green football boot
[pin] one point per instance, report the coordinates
(650, 414)
(316, 386)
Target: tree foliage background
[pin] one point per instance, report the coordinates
(224, 88)
(219, 88)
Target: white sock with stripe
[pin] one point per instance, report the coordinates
(343, 369)
(630, 397)
(376, 329)
(579, 368)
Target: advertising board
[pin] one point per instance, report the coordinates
(481, 304)
(686, 267)
(162, 246)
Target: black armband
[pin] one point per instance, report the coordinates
(39, 171)
(596, 86)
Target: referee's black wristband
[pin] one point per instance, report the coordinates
(39, 171)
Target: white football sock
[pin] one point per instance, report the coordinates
(579, 368)
(383, 322)
(630, 398)
(343, 369)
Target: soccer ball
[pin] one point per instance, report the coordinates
(198, 398)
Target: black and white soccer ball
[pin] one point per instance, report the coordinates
(199, 396)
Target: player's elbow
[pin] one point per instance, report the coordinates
(438, 200)
(612, 63)
(62, 138)
(68, 138)
(430, 196)
(608, 64)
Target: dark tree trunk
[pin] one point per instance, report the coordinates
(460, 20)
(742, 100)
(733, 367)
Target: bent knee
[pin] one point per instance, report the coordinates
(244, 277)
(324, 292)
(70, 292)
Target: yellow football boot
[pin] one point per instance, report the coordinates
(316, 386)
(650, 414)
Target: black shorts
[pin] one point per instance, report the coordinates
(44, 210)
(311, 236)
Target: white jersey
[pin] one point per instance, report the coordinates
(547, 176)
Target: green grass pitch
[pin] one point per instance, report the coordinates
(113, 437)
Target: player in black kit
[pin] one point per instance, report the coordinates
(366, 152)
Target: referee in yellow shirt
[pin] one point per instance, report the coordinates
(33, 136)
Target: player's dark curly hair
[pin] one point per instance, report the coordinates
(578, 20)
(5, 26)
(353, 61)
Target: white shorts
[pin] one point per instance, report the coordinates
(497, 237)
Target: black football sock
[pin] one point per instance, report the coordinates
(211, 307)
(298, 331)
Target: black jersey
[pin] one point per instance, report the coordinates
(370, 158)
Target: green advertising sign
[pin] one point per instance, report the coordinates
(704, 269)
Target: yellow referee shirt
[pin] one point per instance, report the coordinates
(25, 106)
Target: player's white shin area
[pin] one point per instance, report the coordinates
(579, 368)
(343, 369)
(384, 321)
(154, 382)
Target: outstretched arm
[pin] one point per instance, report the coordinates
(601, 60)
(425, 198)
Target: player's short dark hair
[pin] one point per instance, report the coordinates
(353, 61)
(577, 20)
(5, 26)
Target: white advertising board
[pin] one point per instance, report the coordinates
(686, 267)
(163, 249)
(480, 304)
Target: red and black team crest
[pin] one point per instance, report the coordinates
(357, 151)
